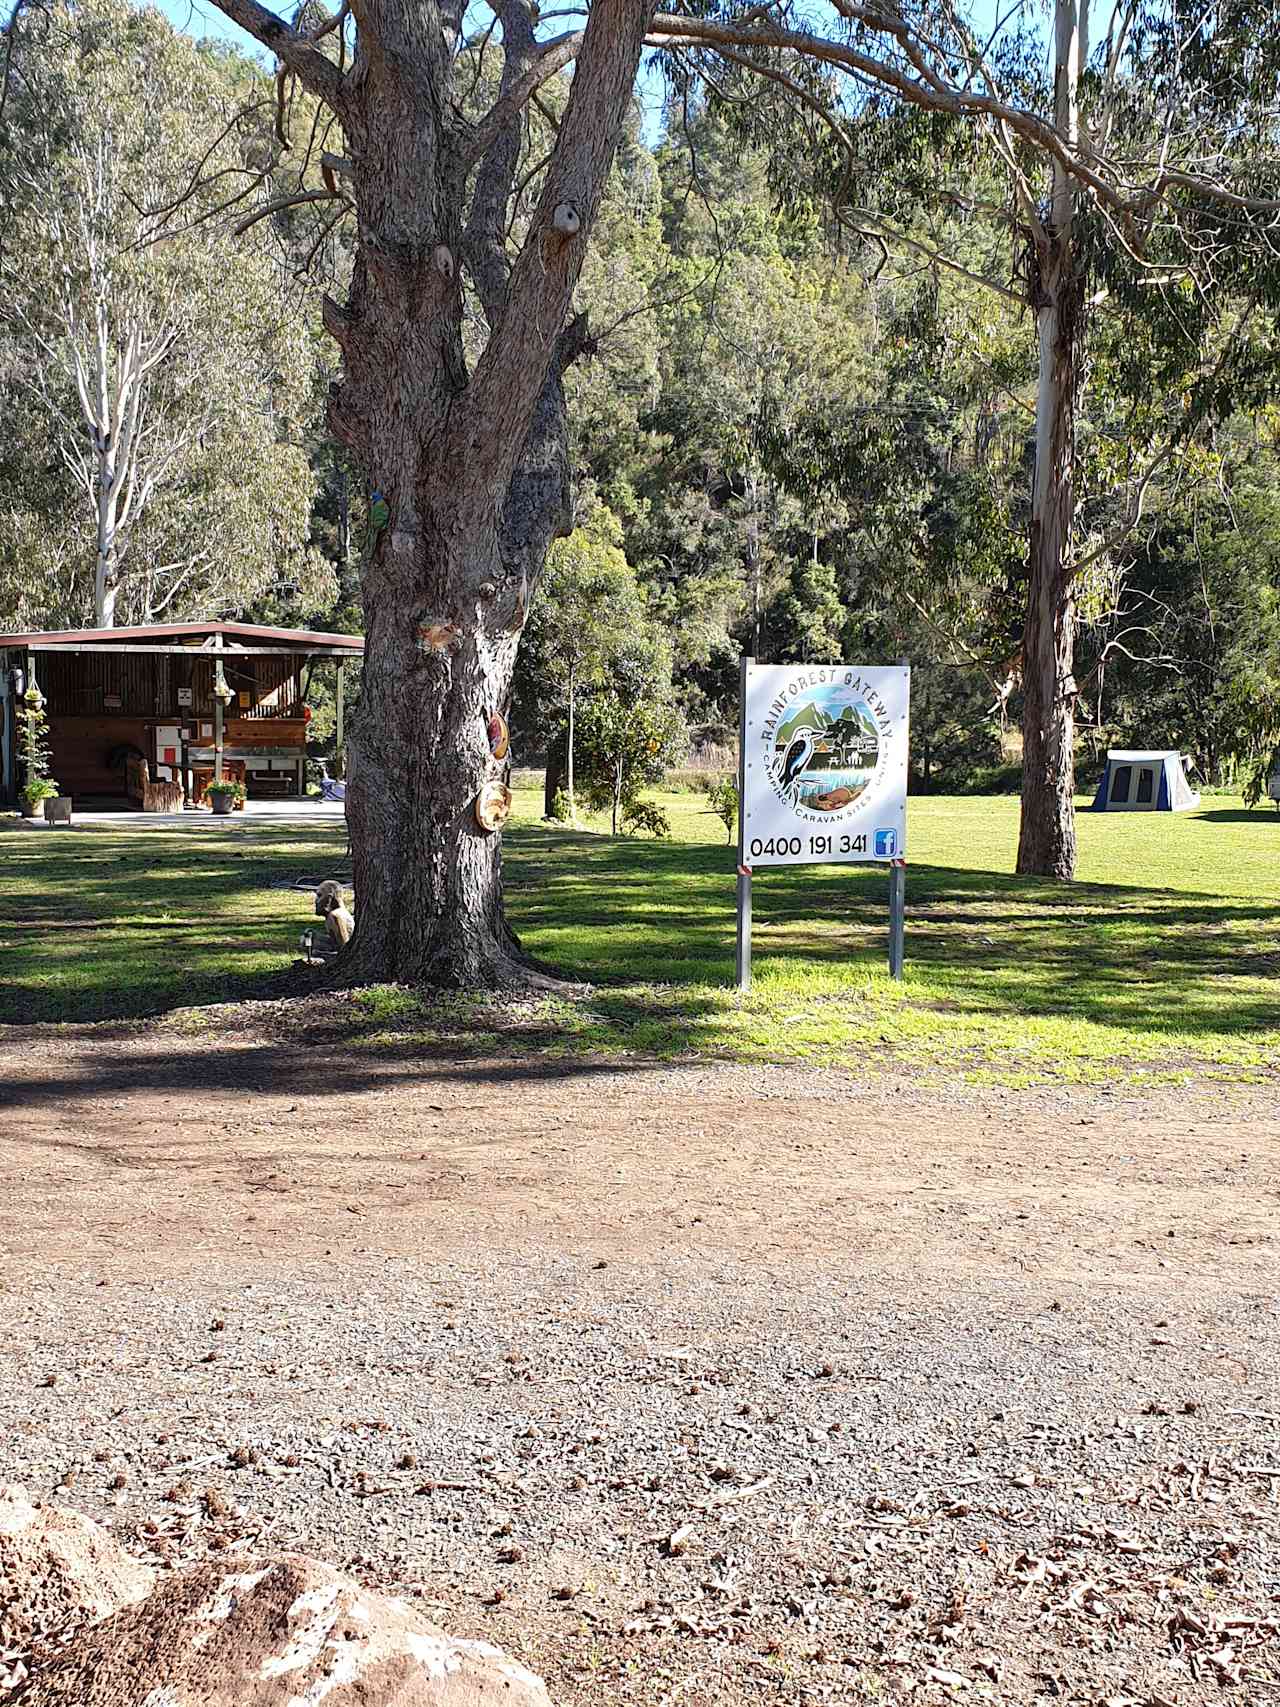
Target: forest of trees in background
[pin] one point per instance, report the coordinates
(792, 439)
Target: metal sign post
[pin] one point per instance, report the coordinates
(744, 870)
(822, 778)
(897, 916)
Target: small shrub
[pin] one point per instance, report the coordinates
(723, 801)
(563, 810)
(645, 818)
(39, 788)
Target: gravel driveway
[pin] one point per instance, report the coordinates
(685, 1384)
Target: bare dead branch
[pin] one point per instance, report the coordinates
(935, 257)
(278, 204)
(196, 181)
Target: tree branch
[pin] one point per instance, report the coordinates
(277, 204)
(498, 406)
(483, 239)
(935, 257)
(312, 68)
(553, 58)
(669, 29)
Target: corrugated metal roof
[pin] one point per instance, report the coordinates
(181, 630)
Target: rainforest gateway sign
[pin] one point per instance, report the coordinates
(824, 763)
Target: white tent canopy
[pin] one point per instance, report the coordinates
(1145, 782)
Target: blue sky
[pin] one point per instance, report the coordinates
(199, 18)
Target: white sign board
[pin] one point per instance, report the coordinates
(824, 763)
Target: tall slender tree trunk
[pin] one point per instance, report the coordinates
(106, 583)
(569, 756)
(1047, 836)
(344, 516)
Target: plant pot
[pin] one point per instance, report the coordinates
(222, 804)
(32, 808)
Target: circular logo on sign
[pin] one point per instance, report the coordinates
(826, 750)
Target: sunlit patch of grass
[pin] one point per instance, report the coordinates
(1162, 962)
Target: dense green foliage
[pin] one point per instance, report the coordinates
(790, 440)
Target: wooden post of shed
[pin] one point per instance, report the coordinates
(219, 687)
(339, 762)
(19, 714)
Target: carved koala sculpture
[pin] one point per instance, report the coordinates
(339, 923)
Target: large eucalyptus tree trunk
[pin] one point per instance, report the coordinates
(444, 601)
(472, 464)
(1047, 837)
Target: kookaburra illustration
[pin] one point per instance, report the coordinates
(799, 752)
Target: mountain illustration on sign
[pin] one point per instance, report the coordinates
(825, 750)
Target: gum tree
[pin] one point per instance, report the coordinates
(151, 365)
(468, 447)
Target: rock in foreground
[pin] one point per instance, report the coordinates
(58, 1568)
(275, 1633)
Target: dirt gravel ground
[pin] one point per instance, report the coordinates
(685, 1384)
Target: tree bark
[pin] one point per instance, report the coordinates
(105, 586)
(1047, 836)
(569, 753)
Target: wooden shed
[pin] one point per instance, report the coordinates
(187, 698)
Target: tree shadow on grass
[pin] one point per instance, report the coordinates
(651, 926)
(985, 943)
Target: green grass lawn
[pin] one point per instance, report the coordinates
(1163, 956)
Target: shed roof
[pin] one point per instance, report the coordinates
(233, 637)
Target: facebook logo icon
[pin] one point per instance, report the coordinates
(886, 844)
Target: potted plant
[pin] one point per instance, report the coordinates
(33, 754)
(34, 793)
(225, 796)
